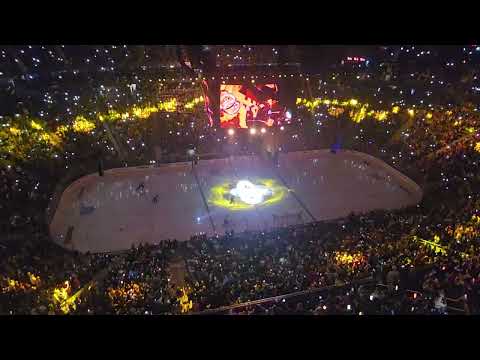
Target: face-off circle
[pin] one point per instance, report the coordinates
(250, 193)
(246, 194)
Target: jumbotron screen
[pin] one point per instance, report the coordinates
(244, 106)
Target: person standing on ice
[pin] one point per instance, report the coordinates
(155, 199)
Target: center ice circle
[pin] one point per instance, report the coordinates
(246, 194)
(250, 193)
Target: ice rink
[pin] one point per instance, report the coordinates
(113, 212)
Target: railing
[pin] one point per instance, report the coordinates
(365, 281)
(449, 300)
(313, 291)
(276, 299)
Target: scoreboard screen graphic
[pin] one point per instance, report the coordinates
(245, 106)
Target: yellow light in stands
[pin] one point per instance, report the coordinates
(15, 131)
(83, 125)
(477, 146)
(36, 126)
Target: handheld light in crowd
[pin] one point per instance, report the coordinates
(282, 128)
(288, 114)
(360, 313)
(324, 307)
(396, 287)
(371, 297)
(414, 295)
(349, 307)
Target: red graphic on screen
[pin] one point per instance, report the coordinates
(206, 96)
(242, 106)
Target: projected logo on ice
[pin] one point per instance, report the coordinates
(246, 194)
(250, 193)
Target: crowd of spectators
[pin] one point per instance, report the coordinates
(135, 282)
(418, 260)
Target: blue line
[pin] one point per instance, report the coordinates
(204, 200)
(294, 194)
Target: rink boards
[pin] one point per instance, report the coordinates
(111, 212)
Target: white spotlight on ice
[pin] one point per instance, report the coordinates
(231, 132)
(282, 128)
(263, 131)
(253, 131)
(250, 193)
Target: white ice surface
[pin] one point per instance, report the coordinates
(328, 185)
(334, 185)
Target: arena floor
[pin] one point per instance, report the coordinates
(112, 212)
